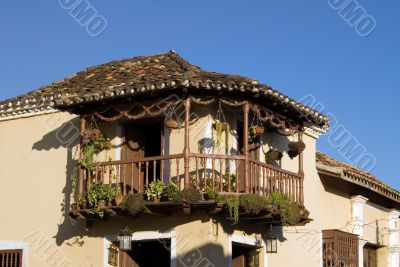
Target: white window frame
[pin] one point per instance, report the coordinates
(16, 245)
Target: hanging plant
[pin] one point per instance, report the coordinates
(170, 122)
(256, 128)
(91, 135)
(220, 128)
(295, 148)
(273, 155)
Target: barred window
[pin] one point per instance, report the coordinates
(340, 249)
(11, 258)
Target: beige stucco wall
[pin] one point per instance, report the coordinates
(36, 166)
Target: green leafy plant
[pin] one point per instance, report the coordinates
(100, 192)
(171, 192)
(273, 155)
(190, 195)
(252, 132)
(155, 190)
(211, 194)
(233, 204)
(91, 148)
(254, 204)
(290, 210)
(295, 148)
(220, 127)
(134, 204)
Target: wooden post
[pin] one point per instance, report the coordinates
(186, 150)
(246, 145)
(301, 169)
(81, 169)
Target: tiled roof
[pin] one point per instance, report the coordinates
(358, 176)
(143, 75)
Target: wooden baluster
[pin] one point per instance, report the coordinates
(177, 171)
(154, 170)
(96, 169)
(213, 173)
(118, 180)
(221, 184)
(162, 170)
(237, 162)
(124, 179)
(132, 176)
(264, 185)
(170, 170)
(205, 172)
(197, 173)
(147, 174)
(140, 178)
(229, 176)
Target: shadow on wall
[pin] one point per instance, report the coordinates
(66, 136)
(210, 255)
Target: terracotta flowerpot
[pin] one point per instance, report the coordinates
(156, 200)
(171, 124)
(102, 204)
(259, 130)
(119, 199)
(223, 126)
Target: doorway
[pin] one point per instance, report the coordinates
(149, 253)
(141, 140)
(370, 256)
(245, 255)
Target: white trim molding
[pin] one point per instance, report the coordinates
(247, 241)
(13, 244)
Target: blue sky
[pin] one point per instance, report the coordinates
(297, 47)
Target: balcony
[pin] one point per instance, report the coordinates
(145, 158)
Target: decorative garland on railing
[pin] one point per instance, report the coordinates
(283, 125)
(146, 111)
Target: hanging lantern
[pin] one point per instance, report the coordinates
(113, 255)
(125, 239)
(271, 241)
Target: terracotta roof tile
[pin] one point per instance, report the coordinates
(140, 75)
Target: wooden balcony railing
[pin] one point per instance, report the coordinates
(224, 174)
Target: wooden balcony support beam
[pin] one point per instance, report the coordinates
(301, 170)
(83, 122)
(246, 145)
(186, 150)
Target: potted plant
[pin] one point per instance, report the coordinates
(220, 127)
(273, 155)
(134, 203)
(155, 191)
(171, 124)
(255, 131)
(119, 197)
(190, 195)
(295, 148)
(100, 195)
(91, 134)
(171, 192)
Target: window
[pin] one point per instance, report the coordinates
(340, 249)
(11, 258)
